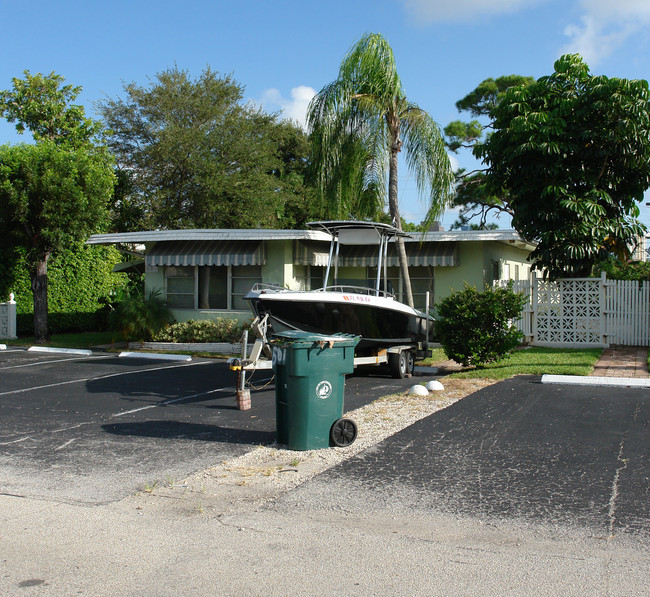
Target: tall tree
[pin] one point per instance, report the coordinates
(473, 196)
(573, 153)
(196, 157)
(56, 190)
(359, 124)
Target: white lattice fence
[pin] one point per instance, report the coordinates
(628, 312)
(585, 312)
(569, 312)
(525, 322)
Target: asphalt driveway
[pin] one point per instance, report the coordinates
(518, 450)
(93, 429)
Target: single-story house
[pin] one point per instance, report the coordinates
(206, 273)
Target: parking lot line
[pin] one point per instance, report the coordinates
(174, 400)
(99, 377)
(47, 362)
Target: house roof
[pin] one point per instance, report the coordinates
(205, 235)
(510, 237)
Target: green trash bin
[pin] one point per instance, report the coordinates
(310, 374)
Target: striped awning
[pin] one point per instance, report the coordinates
(428, 254)
(436, 254)
(311, 253)
(206, 253)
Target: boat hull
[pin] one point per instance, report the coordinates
(380, 322)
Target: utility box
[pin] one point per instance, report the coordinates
(310, 374)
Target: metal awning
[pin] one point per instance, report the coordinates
(429, 254)
(436, 254)
(206, 253)
(311, 253)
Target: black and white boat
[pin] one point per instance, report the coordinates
(373, 314)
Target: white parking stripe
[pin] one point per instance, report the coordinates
(65, 444)
(172, 401)
(16, 441)
(56, 361)
(85, 379)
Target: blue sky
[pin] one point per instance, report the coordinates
(285, 51)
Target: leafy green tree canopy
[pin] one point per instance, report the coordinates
(473, 197)
(42, 105)
(573, 153)
(53, 192)
(196, 157)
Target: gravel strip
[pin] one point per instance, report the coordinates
(264, 473)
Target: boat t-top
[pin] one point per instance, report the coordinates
(371, 312)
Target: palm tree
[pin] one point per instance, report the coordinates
(359, 124)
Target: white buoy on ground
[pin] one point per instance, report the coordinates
(418, 390)
(434, 386)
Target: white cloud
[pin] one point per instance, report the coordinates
(433, 11)
(604, 26)
(294, 108)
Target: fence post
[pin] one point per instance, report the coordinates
(8, 318)
(11, 316)
(535, 306)
(604, 311)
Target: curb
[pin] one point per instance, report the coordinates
(78, 351)
(583, 380)
(156, 356)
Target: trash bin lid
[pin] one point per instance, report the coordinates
(303, 336)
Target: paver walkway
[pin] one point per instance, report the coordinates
(622, 361)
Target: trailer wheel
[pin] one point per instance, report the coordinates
(343, 432)
(400, 364)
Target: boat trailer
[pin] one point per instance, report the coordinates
(400, 359)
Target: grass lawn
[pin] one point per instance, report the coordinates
(80, 340)
(538, 361)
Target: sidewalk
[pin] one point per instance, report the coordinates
(622, 362)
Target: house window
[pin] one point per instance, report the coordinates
(316, 277)
(243, 278)
(494, 272)
(210, 287)
(213, 287)
(421, 283)
(393, 279)
(180, 287)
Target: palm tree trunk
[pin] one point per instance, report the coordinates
(393, 207)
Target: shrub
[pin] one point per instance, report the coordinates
(205, 330)
(474, 327)
(80, 283)
(141, 317)
(623, 270)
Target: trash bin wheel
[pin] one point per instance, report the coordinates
(343, 432)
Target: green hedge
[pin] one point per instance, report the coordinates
(205, 330)
(81, 283)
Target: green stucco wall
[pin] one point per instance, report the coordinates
(476, 259)
(474, 268)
